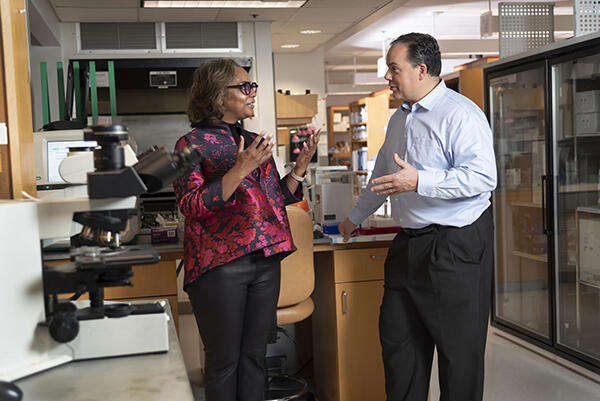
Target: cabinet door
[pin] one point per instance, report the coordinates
(576, 111)
(517, 114)
(360, 364)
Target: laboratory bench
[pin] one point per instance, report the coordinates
(159, 376)
(349, 277)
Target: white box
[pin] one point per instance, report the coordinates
(588, 246)
(587, 102)
(587, 123)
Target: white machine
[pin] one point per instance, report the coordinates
(332, 197)
(62, 161)
(41, 330)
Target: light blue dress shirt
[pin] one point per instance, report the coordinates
(447, 138)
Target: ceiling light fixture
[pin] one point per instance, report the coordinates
(290, 46)
(310, 31)
(223, 4)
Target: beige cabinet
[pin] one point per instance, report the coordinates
(346, 348)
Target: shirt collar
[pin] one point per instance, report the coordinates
(430, 100)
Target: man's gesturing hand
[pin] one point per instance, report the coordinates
(405, 180)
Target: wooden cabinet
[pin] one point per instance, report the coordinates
(346, 348)
(295, 109)
(148, 282)
(338, 133)
(368, 121)
(17, 172)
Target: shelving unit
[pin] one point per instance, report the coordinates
(377, 116)
(334, 136)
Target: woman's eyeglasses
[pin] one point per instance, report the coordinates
(246, 87)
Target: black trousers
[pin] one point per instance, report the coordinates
(235, 306)
(437, 293)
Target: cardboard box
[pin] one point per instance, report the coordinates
(163, 235)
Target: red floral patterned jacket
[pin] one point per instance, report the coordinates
(218, 231)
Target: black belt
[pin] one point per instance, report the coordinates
(416, 232)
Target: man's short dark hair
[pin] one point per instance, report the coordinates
(422, 49)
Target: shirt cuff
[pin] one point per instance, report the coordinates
(355, 217)
(427, 183)
(288, 196)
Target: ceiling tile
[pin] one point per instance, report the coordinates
(347, 14)
(245, 14)
(344, 3)
(178, 15)
(295, 27)
(72, 14)
(96, 3)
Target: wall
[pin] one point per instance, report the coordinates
(255, 42)
(298, 72)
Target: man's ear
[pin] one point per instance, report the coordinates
(423, 71)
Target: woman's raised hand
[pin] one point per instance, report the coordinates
(308, 150)
(259, 151)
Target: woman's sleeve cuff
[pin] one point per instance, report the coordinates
(213, 197)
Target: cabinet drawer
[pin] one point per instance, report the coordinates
(359, 264)
(148, 281)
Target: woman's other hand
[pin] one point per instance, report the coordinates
(259, 151)
(308, 150)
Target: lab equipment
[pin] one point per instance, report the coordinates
(43, 329)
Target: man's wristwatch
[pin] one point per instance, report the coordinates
(297, 177)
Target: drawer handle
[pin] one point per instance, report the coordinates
(344, 302)
(377, 256)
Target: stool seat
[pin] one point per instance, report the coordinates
(295, 313)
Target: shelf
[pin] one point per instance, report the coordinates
(358, 124)
(361, 172)
(359, 140)
(341, 132)
(587, 187)
(342, 155)
(526, 204)
(539, 258)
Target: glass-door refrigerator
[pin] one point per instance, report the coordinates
(544, 110)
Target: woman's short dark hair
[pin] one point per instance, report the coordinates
(422, 49)
(211, 79)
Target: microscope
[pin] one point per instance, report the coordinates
(44, 328)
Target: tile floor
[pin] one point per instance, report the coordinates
(515, 373)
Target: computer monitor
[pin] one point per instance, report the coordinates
(50, 148)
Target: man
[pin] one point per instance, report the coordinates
(437, 164)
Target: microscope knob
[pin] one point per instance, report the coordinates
(63, 327)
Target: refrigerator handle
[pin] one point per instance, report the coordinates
(544, 217)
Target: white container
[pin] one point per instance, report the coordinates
(587, 123)
(587, 102)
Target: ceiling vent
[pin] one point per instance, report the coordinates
(201, 35)
(117, 36)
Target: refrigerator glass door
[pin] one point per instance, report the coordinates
(576, 122)
(517, 114)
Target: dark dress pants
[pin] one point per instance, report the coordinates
(437, 293)
(235, 306)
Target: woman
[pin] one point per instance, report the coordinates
(236, 230)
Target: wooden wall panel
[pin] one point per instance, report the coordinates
(15, 52)
(5, 180)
